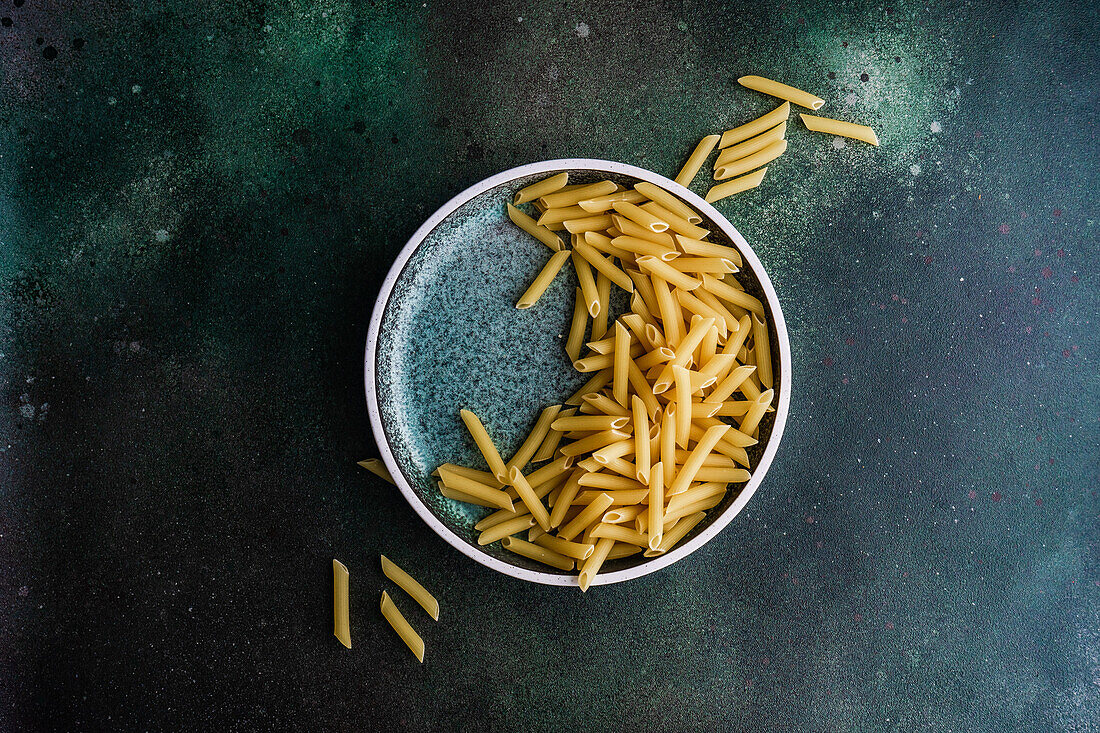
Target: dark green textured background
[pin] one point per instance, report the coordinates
(198, 202)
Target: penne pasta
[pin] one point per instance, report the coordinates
(562, 199)
(530, 500)
(603, 404)
(724, 474)
(375, 466)
(589, 514)
(666, 272)
(549, 445)
(595, 384)
(603, 296)
(682, 379)
(628, 228)
(668, 202)
(575, 339)
(593, 564)
(537, 553)
(529, 225)
(702, 449)
(610, 482)
(620, 533)
(592, 422)
(542, 280)
(783, 91)
(521, 523)
(402, 627)
(752, 145)
(540, 188)
(593, 442)
(603, 265)
(735, 186)
(843, 129)
(588, 224)
(484, 444)
(602, 243)
(699, 248)
(552, 217)
(458, 482)
(341, 624)
(642, 446)
(408, 584)
(620, 374)
(762, 349)
(462, 496)
(732, 294)
(757, 126)
(675, 222)
(588, 284)
(750, 162)
(575, 550)
(712, 265)
(696, 159)
(600, 204)
(751, 420)
(640, 216)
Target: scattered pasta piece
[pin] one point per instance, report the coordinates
(340, 616)
(402, 627)
(408, 584)
(375, 466)
(783, 91)
(751, 162)
(735, 186)
(836, 127)
(696, 159)
(757, 126)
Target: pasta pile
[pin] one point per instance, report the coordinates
(679, 385)
(753, 145)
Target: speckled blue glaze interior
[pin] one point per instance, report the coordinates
(451, 338)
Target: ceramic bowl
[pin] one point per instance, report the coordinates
(445, 335)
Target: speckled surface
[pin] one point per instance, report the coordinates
(199, 201)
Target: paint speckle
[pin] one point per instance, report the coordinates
(850, 98)
(582, 30)
(1047, 273)
(864, 77)
(972, 494)
(161, 235)
(136, 89)
(112, 101)
(838, 143)
(935, 127)
(996, 496)
(889, 625)
(914, 169)
(1003, 229)
(49, 53)
(24, 591)
(27, 411)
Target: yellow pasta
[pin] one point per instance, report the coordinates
(587, 283)
(535, 438)
(593, 564)
(611, 482)
(587, 224)
(340, 617)
(699, 248)
(549, 445)
(603, 404)
(639, 246)
(843, 129)
(537, 553)
(684, 351)
(621, 370)
(575, 550)
(628, 228)
(640, 216)
(591, 422)
(732, 294)
(375, 466)
(752, 145)
(735, 186)
(643, 288)
(643, 389)
(595, 384)
(564, 501)
(757, 126)
(603, 265)
(475, 488)
(484, 444)
(762, 349)
(677, 533)
(530, 500)
(542, 280)
(620, 533)
(540, 188)
(751, 421)
(668, 202)
(552, 217)
(408, 584)
(464, 497)
(562, 199)
(711, 265)
(676, 223)
(783, 91)
(696, 159)
(751, 162)
(575, 339)
(602, 243)
(588, 515)
(601, 204)
(668, 443)
(593, 442)
(641, 439)
(694, 462)
(402, 627)
(683, 404)
(506, 529)
(666, 272)
(529, 225)
(655, 510)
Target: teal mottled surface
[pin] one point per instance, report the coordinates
(199, 201)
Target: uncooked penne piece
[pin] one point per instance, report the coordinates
(642, 445)
(535, 438)
(700, 248)
(602, 243)
(593, 442)
(601, 204)
(484, 444)
(529, 225)
(375, 466)
(629, 228)
(619, 550)
(552, 217)
(696, 159)
(541, 188)
(588, 224)
(668, 202)
(575, 550)
(751, 421)
(465, 484)
(341, 625)
(568, 493)
(603, 265)
(675, 222)
(762, 349)
(752, 145)
(623, 514)
(620, 533)
(593, 564)
(612, 482)
(542, 281)
(702, 449)
(724, 474)
(640, 216)
(755, 127)
(683, 404)
(672, 515)
(588, 515)
(409, 584)
(668, 444)
(735, 186)
(666, 272)
(561, 199)
(712, 265)
(521, 523)
(530, 500)
(549, 445)
(595, 384)
(655, 510)
(732, 294)
(604, 405)
(575, 340)
(537, 553)
(684, 351)
(588, 284)
(620, 379)
(837, 127)
(465, 498)
(591, 422)
(639, 246)
(751, 162)
(492, 520)
(783, 91)
(402, 627)
(643, 389)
